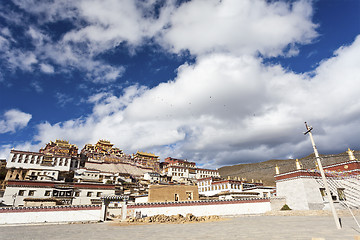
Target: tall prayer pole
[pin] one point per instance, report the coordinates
(336, 218)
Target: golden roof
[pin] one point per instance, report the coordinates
(63, 143)
(105, 142)
(146, 154)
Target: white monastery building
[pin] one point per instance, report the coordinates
(304, 189)
(180, 169)
(18, 192)
(229, 189)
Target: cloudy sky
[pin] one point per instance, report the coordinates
(216, 82)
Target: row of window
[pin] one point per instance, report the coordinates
(204, 176)
(48, 193)
(220, 187)
(340, 196)
(178, 169)
(42, 173)
(207, 173)
(178, 174)
(27, 159)
(37, 160)
(203, 183)
(30, 193)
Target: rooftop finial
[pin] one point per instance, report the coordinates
(277, 170)
(317, 166)
(298, 164)
(351, 154)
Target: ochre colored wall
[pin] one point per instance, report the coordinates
(166, 193)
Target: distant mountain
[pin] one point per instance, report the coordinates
(265, 171)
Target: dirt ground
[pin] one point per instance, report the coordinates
(341, 213)
(162, 219)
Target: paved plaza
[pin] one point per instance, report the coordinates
(243, 227)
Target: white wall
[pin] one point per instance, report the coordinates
(42, 175)
(11, 191)
(91, 214)
(228, 208)
(143, 199)
(17, 160)
(82, 199)
(352, 190)
(304, 193)
(295, 194)
(313, 194)
(263, 192)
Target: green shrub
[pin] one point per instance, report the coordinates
(285, 207)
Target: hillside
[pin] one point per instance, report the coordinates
(266, 170)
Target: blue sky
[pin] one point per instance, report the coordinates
(216, 82)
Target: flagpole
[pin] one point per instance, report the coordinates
(336, 218)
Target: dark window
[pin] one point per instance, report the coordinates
(31, 192)
(323, 193)
(47, 193)
(21, 192)
(89, 194)
(189, 195)
(341, 194)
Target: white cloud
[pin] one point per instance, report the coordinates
(4, 151)
(25, 146)
(37, 86)
(13, 120)
(226, 109)
(63, 99)
(46, 68)
(101, 73)
(22, 60)
(237, 27)
(240, 27)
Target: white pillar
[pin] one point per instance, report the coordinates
(336, 218)
(104, 206)
(123, 211)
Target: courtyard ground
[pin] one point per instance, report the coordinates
(239, 227)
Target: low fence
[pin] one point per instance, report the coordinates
(202, 208)
(78, 213)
